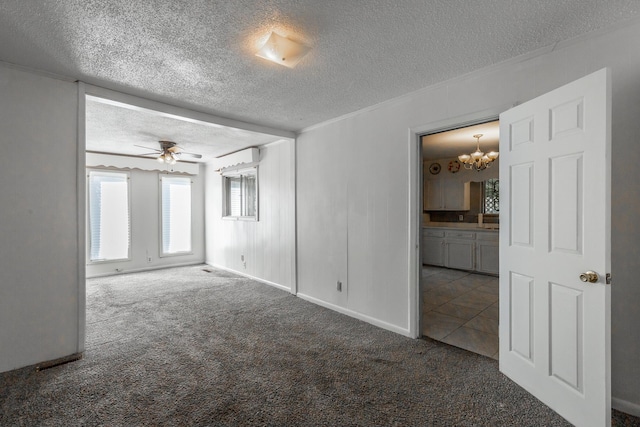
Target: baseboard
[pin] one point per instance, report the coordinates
(140, 270)
(625, 406)
(46, 364)
(258, 279)
(372, 320)
(59, 361)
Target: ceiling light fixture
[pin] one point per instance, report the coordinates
(478, 160)
(282, 50)
(168, 157)
(170, 153)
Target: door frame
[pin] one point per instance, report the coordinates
(415, 178)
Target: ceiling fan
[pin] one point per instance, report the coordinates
(169, 152)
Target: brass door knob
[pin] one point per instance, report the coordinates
(589, 276)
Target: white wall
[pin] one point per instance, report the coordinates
(145, 227)
(353, 196)
(268, 245)
(41, 296)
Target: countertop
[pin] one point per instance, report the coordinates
(463, 225)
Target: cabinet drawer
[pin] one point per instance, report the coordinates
(490, 236)
(466, 235)
(433, 233)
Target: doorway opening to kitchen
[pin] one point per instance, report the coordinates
(460, 238)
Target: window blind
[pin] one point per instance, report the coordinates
(176, 214)
(108, 215)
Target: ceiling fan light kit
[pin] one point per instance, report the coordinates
(169, 152)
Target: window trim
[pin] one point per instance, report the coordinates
(90, 261)
(253, 170)
(161, 252)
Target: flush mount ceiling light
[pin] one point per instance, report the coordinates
(478, 160)
(282, 50)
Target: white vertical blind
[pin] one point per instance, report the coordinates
(176, 214)
(108, 215)
(234, 195)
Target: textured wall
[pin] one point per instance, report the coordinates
(353, 187)
(39, 288)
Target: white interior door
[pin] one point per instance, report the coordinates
(555, 174)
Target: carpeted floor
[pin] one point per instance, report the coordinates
(188, 347)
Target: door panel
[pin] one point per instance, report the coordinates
(521, 316)
(555, 224)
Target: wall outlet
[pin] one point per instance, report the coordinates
(242, 258)
(460, 217)
(339, 286)
(149, 259)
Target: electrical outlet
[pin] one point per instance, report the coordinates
(460, 217)
(242, 258)
(244, 264)
(339, 286)
(149, 259)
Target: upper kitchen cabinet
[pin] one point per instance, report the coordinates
(446, 195)
(447, 185)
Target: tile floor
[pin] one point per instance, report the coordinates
(461, 309)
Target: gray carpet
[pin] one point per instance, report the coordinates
(188, 347)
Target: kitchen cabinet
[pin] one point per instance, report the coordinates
(433, 247)
(459, 249)
(446, 195)
(487, 253)
(471, 250)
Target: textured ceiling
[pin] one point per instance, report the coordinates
(116, 128)
(199, 53)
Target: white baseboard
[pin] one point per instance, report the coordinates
(140, 270)
(625, 406)
(359, 316)
(267, 282)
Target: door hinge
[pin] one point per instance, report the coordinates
(608, 279)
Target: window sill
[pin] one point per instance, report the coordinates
(107, 261)
(240, 218)
(168, 255)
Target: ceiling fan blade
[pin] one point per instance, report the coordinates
(194, 155)
(149, 154)
(148, 148)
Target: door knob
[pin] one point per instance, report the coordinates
(589, 276)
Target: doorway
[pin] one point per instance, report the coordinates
(459, 237)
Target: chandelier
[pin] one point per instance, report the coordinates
(478, 160)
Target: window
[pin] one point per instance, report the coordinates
(491, 196)
(175, 200)
(240, 194)
(108, 216)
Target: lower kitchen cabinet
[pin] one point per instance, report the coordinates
(461, 249)
(488, 253)
(433, 247)
(458, 254)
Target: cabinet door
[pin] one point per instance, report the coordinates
(456, 195)
(459, 254)
(433, 251)
(433, 195)
(488, 257)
